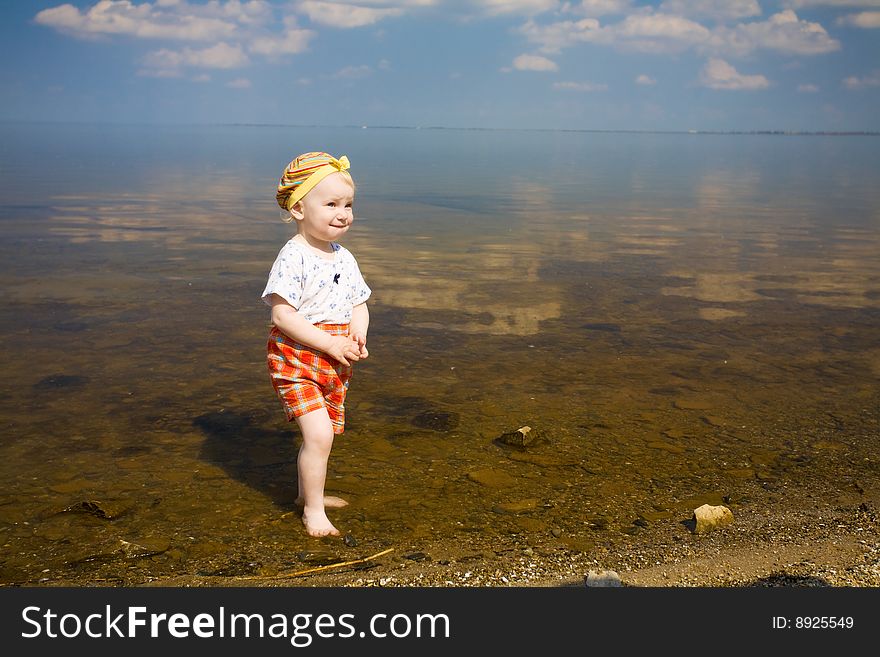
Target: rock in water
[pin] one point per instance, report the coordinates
(104, 509)
(318, 557)
(522, 437)
(436, 420)
(145, 548)
(708, 517)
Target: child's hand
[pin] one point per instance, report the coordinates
(361, 341)
(343, 349)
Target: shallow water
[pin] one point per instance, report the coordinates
(684, 318)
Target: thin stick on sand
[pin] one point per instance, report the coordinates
(318, 569)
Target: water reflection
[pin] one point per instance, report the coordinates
(709, 339)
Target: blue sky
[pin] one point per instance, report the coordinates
(594, 64)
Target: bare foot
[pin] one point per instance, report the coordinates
(318, 524)
(330, 502)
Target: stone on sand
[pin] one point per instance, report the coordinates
(596, 578)
(708, 517)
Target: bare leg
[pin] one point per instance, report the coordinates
(311, 465)
(330, 501)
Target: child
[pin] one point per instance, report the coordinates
(319, 317)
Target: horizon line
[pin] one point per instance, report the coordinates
(247, 124)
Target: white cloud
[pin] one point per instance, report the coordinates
(401, 4)
(784, 32)
(169, 63)
(713, 9)
(798, 4)
(658, 33)
(160, 72)
(290, 42)
(554, 37)
(163, 63)
(864, 19)
(220, 55)
(344, 15)
(718, 74)
(579, 86)
(234, 26)
(870, 80)
(517, 7)
(596, 8)
(534, 63)
(162, 20)
(352, 72)
(646, 80)
(252, 12)
(807, 88)
(239, 83)
(653, 32)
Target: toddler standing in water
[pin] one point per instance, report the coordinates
(319, 320)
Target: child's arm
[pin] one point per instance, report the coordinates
(360, 323)
(297, 327)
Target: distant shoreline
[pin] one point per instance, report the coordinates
(781, 133)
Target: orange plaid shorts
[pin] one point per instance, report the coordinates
(306, 379)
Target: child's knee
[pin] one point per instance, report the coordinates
(322, 440)
(316, 429)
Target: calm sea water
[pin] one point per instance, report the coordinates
(683, 319)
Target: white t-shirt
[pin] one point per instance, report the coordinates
(322, 290)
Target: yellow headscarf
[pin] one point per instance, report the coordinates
(303, 173)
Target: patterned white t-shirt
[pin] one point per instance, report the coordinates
(322, 290)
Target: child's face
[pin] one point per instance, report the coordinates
(326, 212)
